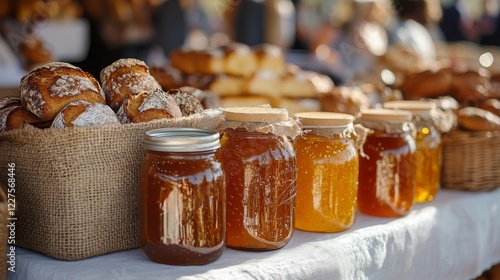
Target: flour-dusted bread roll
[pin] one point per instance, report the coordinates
(83, 114)
(124, 77)
(47, 89)
(16, 116)
(187, 102)
(144, 107)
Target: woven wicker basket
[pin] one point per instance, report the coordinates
(471, 160)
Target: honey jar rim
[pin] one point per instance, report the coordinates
(324, 119)
(181, 140)
(386, 115)
(255, 114)
(414, 106)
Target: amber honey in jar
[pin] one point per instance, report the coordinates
(428, 140)
(182, 197)
(260, 167)
(327, 179)
(387, 163)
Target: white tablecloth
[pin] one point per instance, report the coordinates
(457, 236)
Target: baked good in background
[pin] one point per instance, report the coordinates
(187, 102)
(45, 90)
(471, 85)
(264, 83)
(207, 98)
(15, 116)
(34, 10)
(271, 58)
(491, 105)
(167, 76)
(124, 77)
(428, 83)
(9, 101)
(345, 99)
(476, 119)
(83, 114)
(148, 106)
(239, 60)
(33, 52)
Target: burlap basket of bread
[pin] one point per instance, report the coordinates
(77, 179)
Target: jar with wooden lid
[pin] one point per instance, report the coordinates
(182, 197)
(260, 167)
(428, 140)
(327, 179)
(387, 163)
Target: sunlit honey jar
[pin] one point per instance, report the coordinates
(387, 163)
(428, 140)
(260, 167)
(182, 197)
(327, 180)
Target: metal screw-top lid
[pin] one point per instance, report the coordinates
(181, 140)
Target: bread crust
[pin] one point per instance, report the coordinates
(48, 88)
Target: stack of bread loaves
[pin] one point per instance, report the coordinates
(61, 95)
(245, 76)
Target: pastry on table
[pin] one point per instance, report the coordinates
(187, 102)
(476, 119)
(270, 57)
(83, 114)
(208, 99)
(345, 99)
(167, 76)
(239, 60)
(265, 83)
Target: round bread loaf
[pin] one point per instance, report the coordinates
(16, 116)
(471, 85)
(145, 107)
(476, 119)
(83, 114)
(187, 102)
(427, 84)
(124, 77)
(168, 77)
(47, 89)
(345, 99)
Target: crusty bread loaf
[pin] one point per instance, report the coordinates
(47, 89)
(471, 85)
(298, 84)
(187, 102)
(146, 106)
(223, 85)
(124, 77)
(476, 119)
(83, 114)
(210, 61)
(427, 84)
(184, 60)
(208, 99)
(16, 116)
(265, 82)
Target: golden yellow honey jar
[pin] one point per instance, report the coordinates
(327, 172)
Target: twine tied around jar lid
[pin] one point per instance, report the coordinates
(263, 119)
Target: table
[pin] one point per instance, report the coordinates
(456, 236)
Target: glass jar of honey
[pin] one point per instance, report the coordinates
(260, 167)
(387, 163)
(428, 140)
(182, 197)
(327, 179)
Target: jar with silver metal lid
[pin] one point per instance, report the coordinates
(182, 197)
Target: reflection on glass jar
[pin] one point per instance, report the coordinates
(182, 197)
(327, 179)
(387, 171)
(260, 170)
(428, 154)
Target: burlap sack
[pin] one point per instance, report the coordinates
(77, 188)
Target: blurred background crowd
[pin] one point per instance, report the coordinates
(345, 36)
